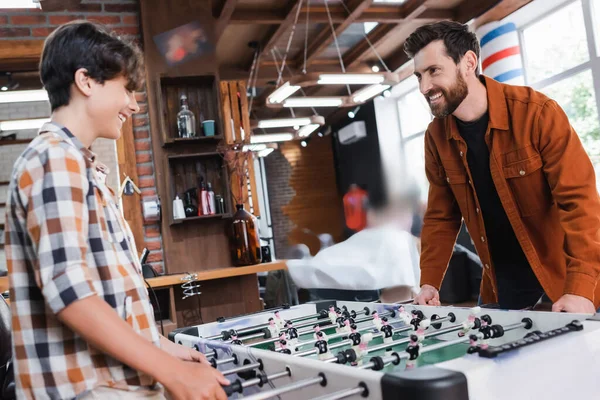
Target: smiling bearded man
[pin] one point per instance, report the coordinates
(505, 160)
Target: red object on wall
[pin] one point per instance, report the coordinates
(355, 208)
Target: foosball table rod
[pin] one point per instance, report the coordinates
(343, 343)
(343, 334)
(320, 315)
(243, 368)
(238, 386)
(450, 329)
(378, 363)
(328, 326)
(318, 380)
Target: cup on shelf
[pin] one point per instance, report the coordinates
(208, 126)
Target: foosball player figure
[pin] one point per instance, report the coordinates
(355, 336)
(283, 347)
(318, 333)
(473, 347)
(292, 333)
(413, 351)
(404, 315)
(340, 324)
(279, 321)
(235, 340)
(387, 330)
(418, 316)
(365, 338)
(323, 352)
(486, 329)
(377, 320)
(469, 323)
(422, 327)
(348, 322)
(332, 314)
(273, 328)
(282, 336)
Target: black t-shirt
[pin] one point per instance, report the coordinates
(292, 333)
(387, 331)
(340, 321)
(355, 337)
(518, 286)
(321, 346)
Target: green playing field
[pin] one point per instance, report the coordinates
(433, 357)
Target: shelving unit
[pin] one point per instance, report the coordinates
(186, 171)
(202, 95)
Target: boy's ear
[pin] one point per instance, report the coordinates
(83, 82)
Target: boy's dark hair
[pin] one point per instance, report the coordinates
(84, 44)
(456, 36)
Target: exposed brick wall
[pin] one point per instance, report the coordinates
(278, 171)
(123, 17)
(303, 195)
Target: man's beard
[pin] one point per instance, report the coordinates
(451, 97)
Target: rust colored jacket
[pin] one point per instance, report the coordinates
(545, 181)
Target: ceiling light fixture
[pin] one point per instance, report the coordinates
(20, 4)
(23, 124)
(22, 96)
(265, 152)
(313, 102)
(254, 147)
(281, 93)
(271, 138)
(350, 79)
(283, 122)
(307, 130)
(368, 93)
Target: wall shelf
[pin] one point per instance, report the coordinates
(200, 218)
(202, 96)
(187, 170)
(171, 142)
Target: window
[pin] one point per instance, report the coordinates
(414, 113)
(555, 43)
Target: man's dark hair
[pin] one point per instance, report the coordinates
(456, 36)
(84, 44)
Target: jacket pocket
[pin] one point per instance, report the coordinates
(457, 180)
(529, 186)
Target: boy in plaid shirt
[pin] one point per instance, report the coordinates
(83, 325)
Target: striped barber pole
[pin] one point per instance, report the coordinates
(501, 53)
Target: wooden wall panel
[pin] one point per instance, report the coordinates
(132, 208)
(242, 298)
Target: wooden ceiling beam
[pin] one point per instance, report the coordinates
(411, 11)
(464, 12)
(499, 12)
(389, 14)
(224, 17)
(325, 37)
(276, 32)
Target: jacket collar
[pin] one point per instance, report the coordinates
(497, 109)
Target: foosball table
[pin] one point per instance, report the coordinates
(336, 350)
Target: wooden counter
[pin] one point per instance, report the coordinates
(176, 279)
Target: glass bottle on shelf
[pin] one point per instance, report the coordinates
(186, 121)
(244, 241)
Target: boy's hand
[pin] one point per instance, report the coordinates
(196, 381)
(182, 352)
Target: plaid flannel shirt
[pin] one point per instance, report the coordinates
(67, 240)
